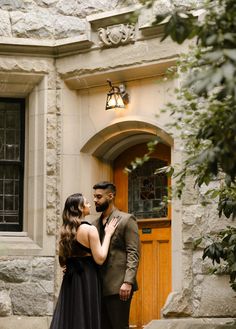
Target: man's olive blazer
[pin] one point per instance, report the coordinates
(122, 261)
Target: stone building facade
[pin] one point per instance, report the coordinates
(57, 55)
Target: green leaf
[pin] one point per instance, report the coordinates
(168, 170)
(231, 53)
(228, 70)
(197, 242)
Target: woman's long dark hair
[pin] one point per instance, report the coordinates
(71, 220)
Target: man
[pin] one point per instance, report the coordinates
(120, 268)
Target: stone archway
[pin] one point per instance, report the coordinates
(123, 133)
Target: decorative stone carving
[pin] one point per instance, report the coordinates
(116, 35)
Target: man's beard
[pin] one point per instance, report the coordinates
(102, 207)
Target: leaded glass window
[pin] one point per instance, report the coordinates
(11, 163)
(147, 190)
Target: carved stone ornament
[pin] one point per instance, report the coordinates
(116, 35)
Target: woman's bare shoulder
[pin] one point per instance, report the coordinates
(83, 229)
(93, 228)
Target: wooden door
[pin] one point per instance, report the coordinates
(154, 274)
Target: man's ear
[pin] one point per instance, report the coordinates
(111, 195)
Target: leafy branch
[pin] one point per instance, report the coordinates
(222, 249)
(204, 114)
(139, 161)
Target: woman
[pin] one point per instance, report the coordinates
(80, 252)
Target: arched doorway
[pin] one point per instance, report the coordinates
(141, 193)
(114, 147)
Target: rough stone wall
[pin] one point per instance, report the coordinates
(211, 295)
(26, 286)
(203, 295)
(58, 19)
(49, 19)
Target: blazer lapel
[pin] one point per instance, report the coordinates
(114, 213)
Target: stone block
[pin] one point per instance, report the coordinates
(213, 296)
(16, 322)
(15, 270)
(29, 299)
(43, 269)
(178, 304)
(220, 323)
(5, 27)
(5, 304)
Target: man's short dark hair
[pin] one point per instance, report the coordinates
(105, 186)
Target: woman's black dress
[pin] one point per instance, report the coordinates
(79, 301)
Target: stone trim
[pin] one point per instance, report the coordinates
(109, 142)
(41, 163)
(76, 80)
(18, 84)
(190, 323)
(48, 48)
(118, 16)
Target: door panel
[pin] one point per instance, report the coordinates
(154, 273)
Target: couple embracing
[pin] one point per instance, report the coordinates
(100, 260)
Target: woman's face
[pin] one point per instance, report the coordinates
(86, 208)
